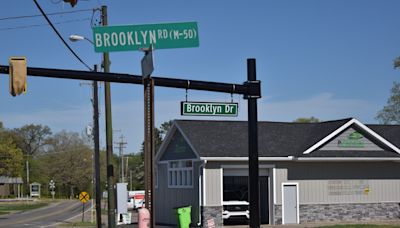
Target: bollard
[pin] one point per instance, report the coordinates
(144, 218)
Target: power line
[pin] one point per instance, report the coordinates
(40, 15)
(41, 25)
(58, 34)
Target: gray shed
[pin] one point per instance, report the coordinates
(10, 186)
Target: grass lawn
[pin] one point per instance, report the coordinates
(362, 226)
(20, 206)
(79, 224)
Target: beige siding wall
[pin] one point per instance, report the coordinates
(213, 185)
(279, 178)
(349, 191)
(327, 183)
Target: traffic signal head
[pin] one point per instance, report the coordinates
(72, 2)
(18, 72)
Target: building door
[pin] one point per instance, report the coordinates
(235, 188)
(289, 203)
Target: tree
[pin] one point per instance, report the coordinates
(11, 158)
(31, 138)
(396, 63)
(68, 162)
(136, 161)
(164, 128)
(312, 119)
(390, 114)
(136, 171)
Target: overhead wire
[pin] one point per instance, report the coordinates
(41, 25)
(40, 15)
(59, 35)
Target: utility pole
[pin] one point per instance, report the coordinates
(96, 139)
(121, 146)
(27, 176)
(126, 168)
(96, 155)
(148, 83)
(109, 137)
(131, 180)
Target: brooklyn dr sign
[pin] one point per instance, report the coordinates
(209, 109)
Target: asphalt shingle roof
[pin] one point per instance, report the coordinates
(276, 139)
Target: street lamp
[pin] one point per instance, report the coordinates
(75, 38)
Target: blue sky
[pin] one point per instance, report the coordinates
(327, 59)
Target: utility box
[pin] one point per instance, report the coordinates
(122, 198)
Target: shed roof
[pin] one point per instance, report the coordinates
(10, 180)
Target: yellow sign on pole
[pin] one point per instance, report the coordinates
(84, 197)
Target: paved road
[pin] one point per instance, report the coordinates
(45, 217)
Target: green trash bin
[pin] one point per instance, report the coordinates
(183, 214)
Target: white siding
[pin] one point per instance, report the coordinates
(213, 177)
(280, 176)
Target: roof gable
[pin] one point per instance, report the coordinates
(176, 146)
(352, 139)
(362, 131)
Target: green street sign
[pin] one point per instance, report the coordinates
(209, 109)
(136, 37)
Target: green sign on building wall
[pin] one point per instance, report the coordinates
(354, 140)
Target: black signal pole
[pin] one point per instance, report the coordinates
(251, 89)
(254, 190)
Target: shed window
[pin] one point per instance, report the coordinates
(180, 174)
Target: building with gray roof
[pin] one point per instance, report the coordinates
(340, 170)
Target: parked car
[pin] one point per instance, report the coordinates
(235, 209)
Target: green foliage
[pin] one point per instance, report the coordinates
(11, 158)
(396, 62)
(136, 171)
(164, 128)
(312, 119)
(31, 138)
(136, 161)
(68, 162)
(390, 114)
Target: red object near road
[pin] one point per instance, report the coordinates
(143, 218)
